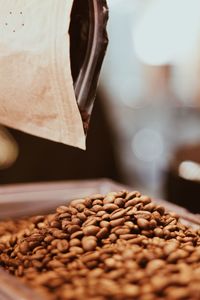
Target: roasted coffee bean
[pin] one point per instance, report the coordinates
(24, 247)
(160, 209)
(97, 202)
(76, 202)
(127, 236)
(76, 221)
(117, 222)
(132, 202)
(89, 244)
(65, 215)
(74, 242)
(142, 215)
(131, 211)
(73, 228)
(105, 224)
(90, 257)
(118, 246)
(110, 198)
(119, 213)
(96, 197)
(106, 217)
(158, 232)
(37, 219)
(63, 245)
(131, 290)
(91, 230)
(113, 237)
(110, 207)
(143, 223)
(170, 247)
(76, 250)
(77, 234)
(82, 216)
(97, 208)
(91, 221)
(120, 231)
(145, 199)
(119, 202)
(149, 207)
(132, 195)
(103, 232)
(63, 209)
(100, 213)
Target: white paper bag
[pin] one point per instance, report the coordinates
(36, 87)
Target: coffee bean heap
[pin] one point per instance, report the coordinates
(118, 246)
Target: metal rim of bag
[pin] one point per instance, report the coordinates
(85, 83)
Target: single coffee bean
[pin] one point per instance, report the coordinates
(91, 221)
(80, 207)
(89, 244)
(122, 231)
(76, 250)
(132, 195)
(104, 224)
(149, 207)
(91, 230)
(76, 221)
(100, 213)
(97, 202)
(87, 212)
(76, 202)
(154, 265)
(82, 216)
(158, 232)
(63, 245)
(152, 223)
(37, 219)
(74, 242)
(131, 290)
(63, 209)
(24, 247)
(143, 223)
(109, 199)
(110, 207)
(103, 233)
(77, 235)
(127, 236)
(142, 215)
(88, 202)
(117, 222)
(113, 237)
(97, 208)
(132, 202)
(118, 214)
(110, 263)
(119, 202)
(131, 211)
(145, 199)
(90, 257)
(65, 215)
(96, 197)
(160, 209)
(73, 228)
(106, 217)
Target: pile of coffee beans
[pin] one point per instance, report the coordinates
(118, 246)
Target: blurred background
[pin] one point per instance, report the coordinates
(145, 127)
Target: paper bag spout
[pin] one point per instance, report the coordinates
(36, 88)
